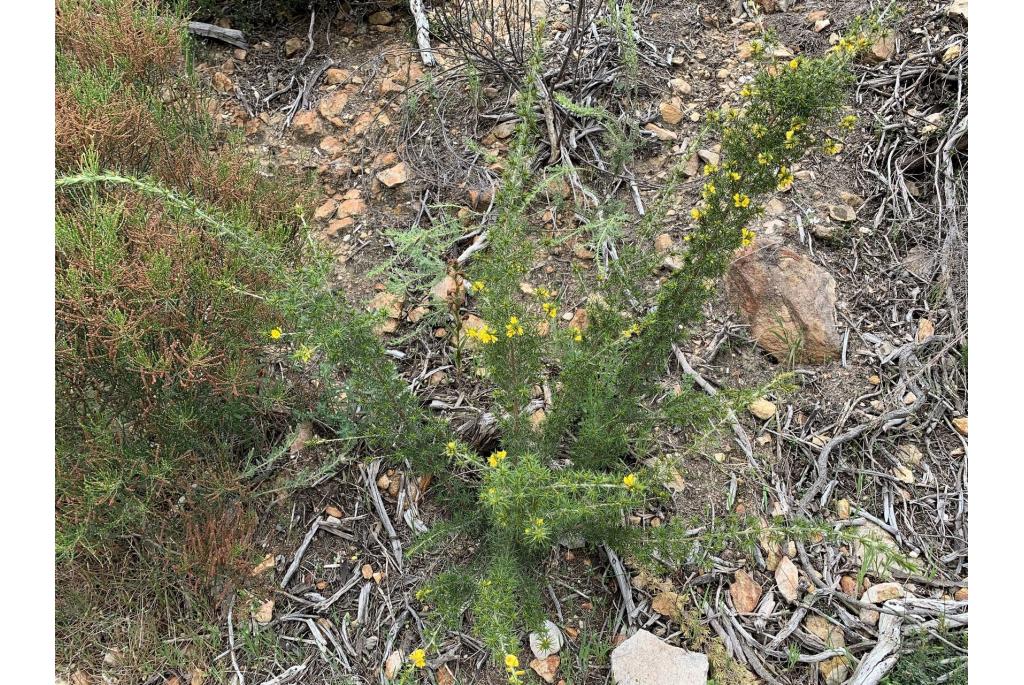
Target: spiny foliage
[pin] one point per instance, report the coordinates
(584, 466)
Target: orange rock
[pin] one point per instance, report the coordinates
(307, 125)
(745, 592)
(788, 301)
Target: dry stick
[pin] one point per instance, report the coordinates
(286, 676)
(231, 642)
(307, 87)
(352, 582)
(370, 477)
(741, 435)
(549, 120)
(291, 79)
(422, 32)
(882, 658)
(229, 36)
(622, 578)
(821, 465)
(298, 553)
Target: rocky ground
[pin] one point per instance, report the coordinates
(862, 262)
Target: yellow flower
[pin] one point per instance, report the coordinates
(486, 335)
(709, 189)
(758, 130)
(538, 522)
(511, 661)
(793, 64)
(451, 448)
(479, 286)
(785, 179)
(695, 214)
(631, 331)
(746, 91)
(496, 458)
(845, 45)
(550, 309)
(763, 159)
(710, 169)
(741, 200)
(418, 658)
(848, 122)
(831, 147)
(275, 333)
(735, 175)
(747, 237)
(543, 293)
(513, 327)
(577, 334)
(629, 481)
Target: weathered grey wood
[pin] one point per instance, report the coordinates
(229, 36)
(422, 32)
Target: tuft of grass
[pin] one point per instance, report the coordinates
(929, 659)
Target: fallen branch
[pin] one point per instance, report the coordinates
(883, 656)
(229, 36)
(422, 32)
(299, 553)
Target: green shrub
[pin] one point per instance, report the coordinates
(194, 328)
(593, 459)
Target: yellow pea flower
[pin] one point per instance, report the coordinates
(785, 179)
(496, 458)
(831, 147)
(511, 661)
(747, 237)
(418, 658)
(513, 327)
(629, 481)
(741, 200)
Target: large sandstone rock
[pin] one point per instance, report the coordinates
(788, 301)
(645, 660)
